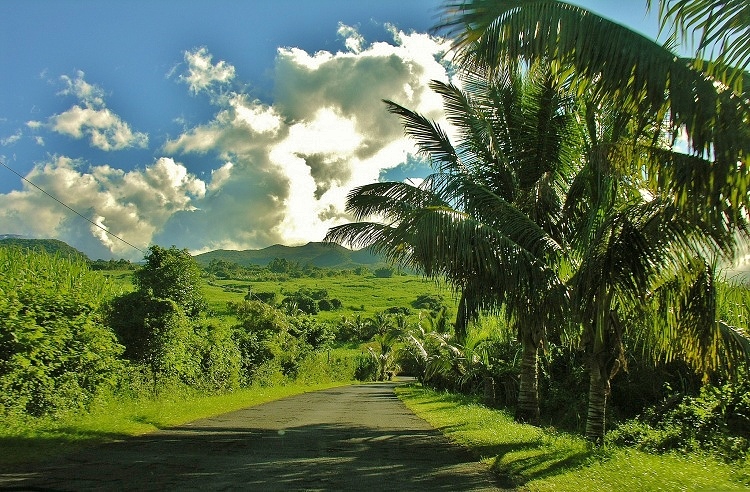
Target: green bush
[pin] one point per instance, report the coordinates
(366, 368)
(56, 354)
(717, 419)
(431, 302)
(220, 357)
(156, 332)
(328, 366)
(172, 274)
(383, 272)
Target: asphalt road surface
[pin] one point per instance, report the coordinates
(358, 437)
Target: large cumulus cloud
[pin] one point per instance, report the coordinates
(132, 205)
(280, 169)
(294, 161)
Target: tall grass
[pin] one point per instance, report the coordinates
(21, 268)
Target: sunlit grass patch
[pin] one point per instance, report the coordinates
(548, 460)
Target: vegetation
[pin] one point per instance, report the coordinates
(570, 190)
(74, 340)
(542, 459)
(578, 218)
(56, 354)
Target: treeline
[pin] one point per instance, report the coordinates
(282, 269)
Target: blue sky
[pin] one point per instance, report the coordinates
(210, 125)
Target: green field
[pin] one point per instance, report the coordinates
(364, 295)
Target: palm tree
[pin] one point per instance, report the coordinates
(619, 67)
(632, 243)
(487, 218)
(637, 208)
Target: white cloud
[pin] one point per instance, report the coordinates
(11, 139)
(353, 40)
(202, 74)
(105, 129)
(90, 95)
(132, 205)
(91, 118)
(327, 131)
(282, 171)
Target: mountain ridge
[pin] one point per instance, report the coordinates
(324, 255)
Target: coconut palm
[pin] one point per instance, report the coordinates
(615, 65)
(487, 218)
(637, 210)
(634, 247)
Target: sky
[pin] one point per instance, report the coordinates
(211, 124)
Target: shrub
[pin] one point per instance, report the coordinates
(220, 358)
(366, 368)
(383, 272)
(431, 302)
(269, 298)
(325, 305)
(300, 302)
(172, 274)
(717, 419)
(56, 353)
(157, 333)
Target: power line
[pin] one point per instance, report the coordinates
(69, 208)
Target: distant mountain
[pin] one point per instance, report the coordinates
(51, 246)
(322, 255)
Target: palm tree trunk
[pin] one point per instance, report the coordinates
(527, 409)
(462, 320)
(597, 404)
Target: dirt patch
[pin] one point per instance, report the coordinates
(358, 437)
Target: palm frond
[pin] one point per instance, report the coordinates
(608, 60)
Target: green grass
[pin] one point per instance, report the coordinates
(36, 440)
(364, 295)
(546, 460)
(358, 294)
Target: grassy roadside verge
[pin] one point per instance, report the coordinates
(545, 460)
(33, 441)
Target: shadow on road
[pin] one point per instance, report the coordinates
(352, 438)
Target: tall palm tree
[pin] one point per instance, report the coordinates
(487, 218)
(632, 242)
(637, 208)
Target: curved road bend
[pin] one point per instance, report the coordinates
(358, 437)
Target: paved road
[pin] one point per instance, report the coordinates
(357, 437)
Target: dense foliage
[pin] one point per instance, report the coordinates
(56, 354)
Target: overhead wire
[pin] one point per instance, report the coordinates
(68, 207)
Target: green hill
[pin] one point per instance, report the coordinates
(322, 255)
(51, 246)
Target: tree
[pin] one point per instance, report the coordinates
(620, 66)
(172, 274)
(639, 211)
(487, 218)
